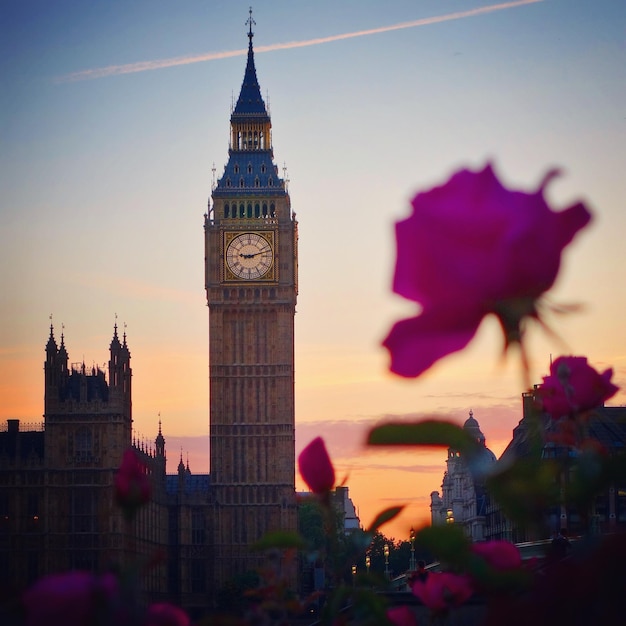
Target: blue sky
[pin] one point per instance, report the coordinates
(104, 182)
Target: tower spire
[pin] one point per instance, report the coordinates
(249, 23)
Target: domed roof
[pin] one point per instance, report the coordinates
(481, 463)
(472, 428)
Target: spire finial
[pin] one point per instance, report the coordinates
(249, 23)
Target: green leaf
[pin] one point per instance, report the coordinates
(429, 432)
(526, 489)
(281, 540)
(448, 542)
(385, 516)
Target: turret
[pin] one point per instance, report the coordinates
(120, 373)
(51, 365)
(160, 460)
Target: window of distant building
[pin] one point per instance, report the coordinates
(83, 443)
(83, 510)
(198, 531)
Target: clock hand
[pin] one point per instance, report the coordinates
(251, 256)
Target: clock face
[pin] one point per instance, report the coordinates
(249, 256)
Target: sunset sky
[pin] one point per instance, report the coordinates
(113, 114)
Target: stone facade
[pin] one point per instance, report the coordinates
(57, 509)
(463, 499)
(251, 268)
(606, 426)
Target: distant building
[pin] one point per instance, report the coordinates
(463, 499)
(607, 427)
(344, 504)
(57, 508)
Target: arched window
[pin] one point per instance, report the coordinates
(249, 168)
(257, 182)
(226, 210)
(270, 181)
(249, 210)
(257, 210)
(264, 210)
(83, 444)
(272, 210)
(242, 210)
(236, 168)
(263, 168)
(242, 182)
(228, 183)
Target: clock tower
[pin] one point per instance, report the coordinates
(251, 262)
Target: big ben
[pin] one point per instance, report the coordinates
(251, 262)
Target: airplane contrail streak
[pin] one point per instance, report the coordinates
(142, 66)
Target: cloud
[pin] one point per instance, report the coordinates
(143, 66)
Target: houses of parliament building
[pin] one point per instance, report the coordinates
(57, 508)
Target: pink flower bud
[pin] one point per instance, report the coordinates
(574, 387)
(72, 598)
(442, 590)
(316, 468)
(501, 555)
(401, 616)
(165, 614)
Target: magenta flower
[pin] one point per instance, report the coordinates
(132, 484)
(165, 614)
(442, 590)
(401, 616)
(501, 555)
(472, 247)
(574, 386)
(73, 599)
(316, 468)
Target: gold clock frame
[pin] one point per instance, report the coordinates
(270, 276)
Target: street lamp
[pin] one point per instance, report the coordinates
(449, 516)
(412, 561)
(386, 553)
(368, 562)
(353, 574)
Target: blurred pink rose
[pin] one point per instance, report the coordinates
(401, 616)
(164, 614)
(472, 247)
(442, 590)
(501, 555)
(72, 599)
(132, 484)
(574, 386)
(316, 468)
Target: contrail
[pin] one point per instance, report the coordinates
(142, 66)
